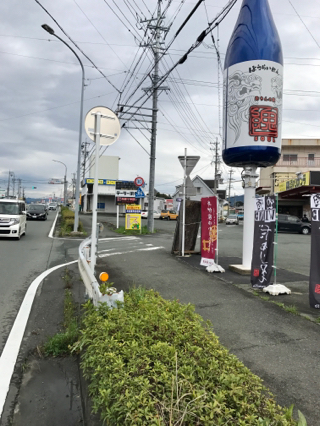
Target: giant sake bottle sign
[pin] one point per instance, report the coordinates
(253, 104)
(253, 86)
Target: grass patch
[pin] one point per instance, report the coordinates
(318, 320)
(292, 309)
(67, 222)
(60, 343)
(122, 230)
(156, 362)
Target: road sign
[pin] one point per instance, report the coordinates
(139, 193)
(109, 125)
(139, 181)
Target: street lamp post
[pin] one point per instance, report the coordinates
(77, 195)
(64, 183)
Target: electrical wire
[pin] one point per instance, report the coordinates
(84, 54)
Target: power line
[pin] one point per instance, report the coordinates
(86, 56)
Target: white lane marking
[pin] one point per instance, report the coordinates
(114, 248)
(119, 238)
(131, 251)
(11, 349)
(150, 245)
(53, 225)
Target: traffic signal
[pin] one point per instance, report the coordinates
(34, 187)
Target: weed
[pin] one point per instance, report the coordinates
(265, 298)
(292, 309)
(281, 305)
(59, 344)
(318, 320)
(67, 278)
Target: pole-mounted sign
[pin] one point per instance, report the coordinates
(103, 127)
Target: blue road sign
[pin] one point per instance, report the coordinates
(139, 193)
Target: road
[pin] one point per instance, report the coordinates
(22, 261)
(293, 249)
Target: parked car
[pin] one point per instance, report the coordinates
(144, 214)
(37, 212)
(169, 214)
(232, 219)
(12, 218)
(164, 214)
(289, 223)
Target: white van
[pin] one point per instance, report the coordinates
(13, 219)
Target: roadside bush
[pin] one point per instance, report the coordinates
(67, 222)
(155, 362)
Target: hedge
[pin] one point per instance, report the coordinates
(156, 362)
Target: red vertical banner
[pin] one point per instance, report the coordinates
(209, 230)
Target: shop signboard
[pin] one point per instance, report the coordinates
(133, 221)
(262, 254)
(209, 230)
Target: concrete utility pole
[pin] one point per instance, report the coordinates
(8, 189)
(85, 154)
(156, 50)
(216, 164)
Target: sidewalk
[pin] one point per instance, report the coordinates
(280, 347)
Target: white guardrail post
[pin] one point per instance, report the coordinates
(89, 280)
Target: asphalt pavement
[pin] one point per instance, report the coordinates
(278, 343)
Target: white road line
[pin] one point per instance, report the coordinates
(11, 349)
(131, 251)
(114, 248)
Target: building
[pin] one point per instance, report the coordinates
(203, 188)
(295, 176)
(108, 175)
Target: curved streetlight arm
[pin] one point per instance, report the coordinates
(65, 181)
(77, 194)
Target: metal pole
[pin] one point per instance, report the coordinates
(95, 192)
(76, 212)
(184, 202)
(154, 124)
(65, 188)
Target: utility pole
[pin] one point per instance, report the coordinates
(85, 154)
(155, 89)
(8, 189)
(217, 162)
(230, 178)
(73, 185)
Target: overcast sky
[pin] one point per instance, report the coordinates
(41, 84)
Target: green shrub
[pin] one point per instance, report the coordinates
(67, 222)
(123, 230)
(155, 362)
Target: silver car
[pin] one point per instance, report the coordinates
(232, 219)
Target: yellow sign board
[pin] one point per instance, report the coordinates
(295, 183)
(133, 221)
(133, 208)
(101, 181)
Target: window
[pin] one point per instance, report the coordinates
(310, 159)
(199, 190)
(292, 158)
